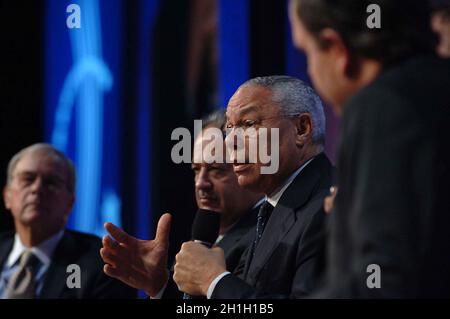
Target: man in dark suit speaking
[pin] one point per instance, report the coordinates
(283, 258)
(143, 263)
(36, 260)
(390, 225)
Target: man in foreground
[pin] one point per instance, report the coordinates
(391, 212)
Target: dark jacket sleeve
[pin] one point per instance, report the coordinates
(108, 288)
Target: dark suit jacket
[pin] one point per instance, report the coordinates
(286, 259)
(83, 250)
(393, 207)
(234, 244)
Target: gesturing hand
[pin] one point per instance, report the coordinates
(141, 264)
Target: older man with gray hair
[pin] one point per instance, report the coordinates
(283, 260)
(42, 259)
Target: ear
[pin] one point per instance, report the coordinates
(72, 202)
(304, 127)
(6, 197)
(335, 46)
(69, 209)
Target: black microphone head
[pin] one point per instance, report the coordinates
(205, 227)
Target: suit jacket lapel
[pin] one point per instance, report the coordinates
(55, 279)
(280, 222)
(5, 249)
(284, 214)
(248, 260)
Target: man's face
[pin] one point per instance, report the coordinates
(38, 195)
(322, 65)
(251, 107)
(216, 186)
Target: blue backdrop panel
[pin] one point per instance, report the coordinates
(234, 46)
(148, 10)
(82, 96)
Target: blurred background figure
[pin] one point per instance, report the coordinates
(389, 221)
(440, 23)
(34, 260)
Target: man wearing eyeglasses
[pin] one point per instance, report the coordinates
(283, 260)
(37, 260)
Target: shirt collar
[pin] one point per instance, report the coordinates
(276, 195)
(262, 200)
(43, 251)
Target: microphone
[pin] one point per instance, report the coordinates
(205, 230)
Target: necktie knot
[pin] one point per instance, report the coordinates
(28, 259)
(265, 210)
(263, 216)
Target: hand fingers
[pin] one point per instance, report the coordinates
(108, 242)
(177, 276)
(329, 200)
(115, 257)
(118, 234)
(182, 277)
(111, 271)
(189, 251)
(163, 229)
(327, 204)
(217, 250)
(108, 257)
(117, 273)
(117, 249)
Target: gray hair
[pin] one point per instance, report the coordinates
(70, 169)
(215, 118)
(294, 97)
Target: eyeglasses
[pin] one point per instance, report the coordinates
(51, 183)
(247, 124)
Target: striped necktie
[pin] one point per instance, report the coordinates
(22, 283)
(261, 221)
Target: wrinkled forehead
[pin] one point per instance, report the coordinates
(251, 99)
(40, 161)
